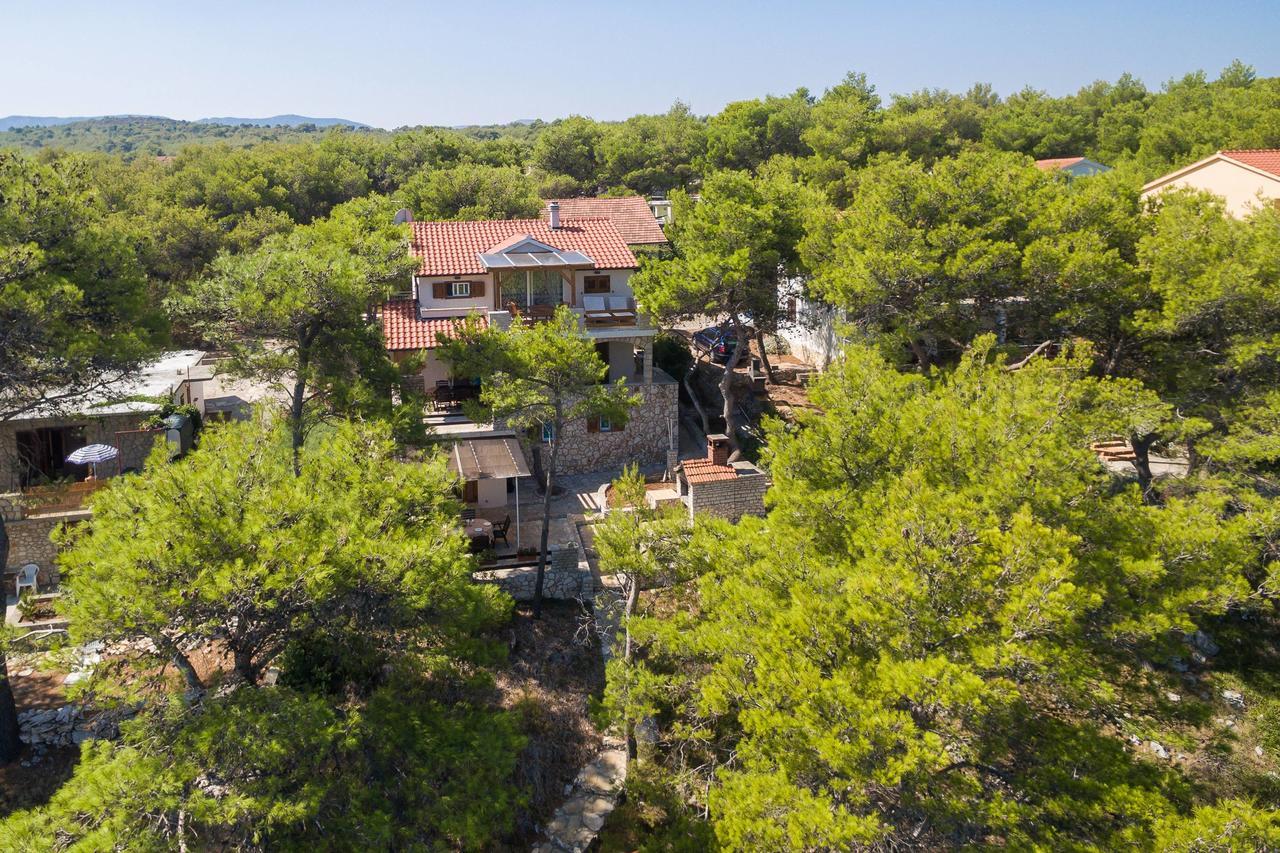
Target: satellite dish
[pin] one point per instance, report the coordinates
(403, 215)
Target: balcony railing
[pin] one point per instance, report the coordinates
(46, 500)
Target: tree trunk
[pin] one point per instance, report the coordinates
(726, 384)
(764, 358)
(633, 595)
(546, 516)
(295, 420)
(298, 403)
(1142, 462)
(693, 398)
(921, 354)
(10, 746)
(183, 663)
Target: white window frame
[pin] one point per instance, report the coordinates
(604, 424)
(459, 289)
(548, 433)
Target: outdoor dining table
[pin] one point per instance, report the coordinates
(479, 528)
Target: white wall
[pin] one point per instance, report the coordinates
(619, 282)
(447, 307)
(1239, 186)
(491, 493)
(622, 360)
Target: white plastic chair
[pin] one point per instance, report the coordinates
(27, 577)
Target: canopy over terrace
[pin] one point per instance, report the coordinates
(487, 459)
(531, 274)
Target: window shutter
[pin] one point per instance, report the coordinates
(477, 288)
(593, 424)
(440, 290)
(616, 426)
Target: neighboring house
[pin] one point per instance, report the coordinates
(1076, 167)
(35, 444)
(38, 488)
(631, 215)
(661, 209)
(808, 324)
(500, 272)
(1245, 179)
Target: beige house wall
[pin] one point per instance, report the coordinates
(491, 493)
(1239, 186)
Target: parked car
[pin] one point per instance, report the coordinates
(718, 342)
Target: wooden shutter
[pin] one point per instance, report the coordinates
(593, 424)
(616, 426)
(477, 288)
(440, 290)
(470, 492)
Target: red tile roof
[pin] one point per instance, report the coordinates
(403, 330)
(453, 248)
(706, 471)
(630, 215)
(1264, 159)
(1057, 163)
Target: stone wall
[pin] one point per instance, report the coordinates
(567, 577)
(29, 543)
(731, 499)
(644, 440)
(116, 430)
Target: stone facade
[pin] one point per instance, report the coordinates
(29, 541)
(117, 430)
(732, 498)
(645, 439)
(567, 577)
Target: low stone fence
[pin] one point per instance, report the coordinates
(568, 577)
(29, 540)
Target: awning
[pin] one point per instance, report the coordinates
(496, 458)
(527, 260)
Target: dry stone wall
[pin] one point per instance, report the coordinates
(644, 440)
(731, 499)
(567, 577)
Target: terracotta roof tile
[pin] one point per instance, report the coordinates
(706, 471)
(630, 214)
(453, 248)
(1057, 163)
(1265, 159)
(403, 330)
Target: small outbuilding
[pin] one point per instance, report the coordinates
(716, 486)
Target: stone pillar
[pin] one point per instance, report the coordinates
(648, 361)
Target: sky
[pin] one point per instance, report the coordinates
(410, 62)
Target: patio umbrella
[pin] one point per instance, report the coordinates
(92, 454)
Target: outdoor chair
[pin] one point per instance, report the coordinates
(469, 514)
(27, 578)
(500, 530)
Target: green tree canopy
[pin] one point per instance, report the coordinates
(734, 247)
(924, 642)
(297, 312)
(352, 581)
(745, 134)
(470, 191)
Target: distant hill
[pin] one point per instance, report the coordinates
(150, 136)
(13, 122)
(284, 120)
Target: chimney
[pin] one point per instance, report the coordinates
(718, 449)
(554, 208)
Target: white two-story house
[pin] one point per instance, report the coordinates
(511, 271)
